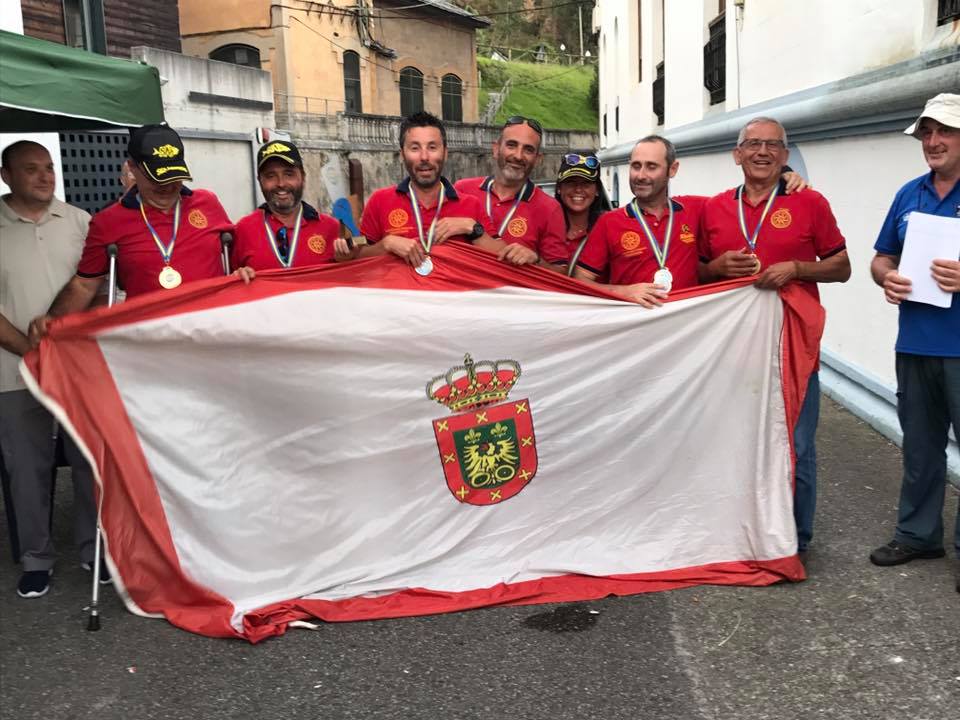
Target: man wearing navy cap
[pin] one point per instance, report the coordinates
(284, 232)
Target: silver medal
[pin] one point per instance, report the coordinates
(424, 268)
(663, 277)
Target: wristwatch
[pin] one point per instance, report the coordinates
(476, 232)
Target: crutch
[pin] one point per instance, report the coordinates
(93, 622)
(226, 240)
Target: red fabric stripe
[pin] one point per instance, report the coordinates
(458, 267)
(273, 619)
(75, 376)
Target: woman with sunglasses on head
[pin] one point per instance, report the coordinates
(579, 192)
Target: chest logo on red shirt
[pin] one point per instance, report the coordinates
(685, 235)
(781, 219)
(397, 218)
(630, 240)
(197, 219)
(317, 244)
(517, 227)
(487, 449)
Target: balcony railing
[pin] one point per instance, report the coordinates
(715, 62)
(658, 94)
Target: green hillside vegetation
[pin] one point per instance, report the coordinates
(559, 96)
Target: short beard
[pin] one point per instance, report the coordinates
(277, 209)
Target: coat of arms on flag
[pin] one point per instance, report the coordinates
(488, 450)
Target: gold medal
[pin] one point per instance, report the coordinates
(756, 265)
(169, 278)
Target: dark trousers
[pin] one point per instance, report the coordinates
(28, 454)
(805, 446)
(928, 402)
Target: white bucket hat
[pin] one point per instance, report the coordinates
(944, 108)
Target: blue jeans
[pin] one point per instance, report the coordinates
(928, 402)
(805, 445)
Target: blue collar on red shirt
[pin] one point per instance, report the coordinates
(404, 187)
(309, 211)
(529, 188)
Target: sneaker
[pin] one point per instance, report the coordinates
(896, 553)
(34, 583)
(105, 578)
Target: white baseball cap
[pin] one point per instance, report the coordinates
(944, 108)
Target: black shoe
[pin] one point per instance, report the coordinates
(34, 583)
(896, 553)
(105, 578)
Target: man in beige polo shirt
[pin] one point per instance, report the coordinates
(40, 243)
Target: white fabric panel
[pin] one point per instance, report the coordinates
(292, 445)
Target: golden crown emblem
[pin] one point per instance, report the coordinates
(166, 151)
(471, 385)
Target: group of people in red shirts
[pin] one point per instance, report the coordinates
(771, 227)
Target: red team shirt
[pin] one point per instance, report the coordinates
(251, 246)
(196, 254)
(538, 222)
(388, 212)
(800, 226)
(619, 245)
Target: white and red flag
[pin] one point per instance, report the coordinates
(359, 442)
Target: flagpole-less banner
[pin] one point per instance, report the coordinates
(359, 441)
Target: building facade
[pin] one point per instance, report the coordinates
(845, 78)
(381, 58)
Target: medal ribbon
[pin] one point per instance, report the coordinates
(659, 253)
(165, 250)
(293, 242)
(752, 238)
(427, 242)
(509, 215)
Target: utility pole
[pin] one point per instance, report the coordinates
(580, 17)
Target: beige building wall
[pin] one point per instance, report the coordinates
(302, 47)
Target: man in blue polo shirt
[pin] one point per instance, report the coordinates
(928, 345)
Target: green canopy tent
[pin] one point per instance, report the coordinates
(45, 87)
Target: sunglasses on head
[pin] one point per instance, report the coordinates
(588, 161)
(521, 120)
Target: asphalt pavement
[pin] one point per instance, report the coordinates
(852, 642)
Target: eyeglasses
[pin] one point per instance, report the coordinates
(588, 161)
(520, 120)
(283, 243)
(755, 144)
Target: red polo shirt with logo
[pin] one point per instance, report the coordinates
(799, 226)
(617, 244)
(251, 246)
(538, 222)
(196, 254)
(388, 212)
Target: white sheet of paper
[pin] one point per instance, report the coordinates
(928, 237)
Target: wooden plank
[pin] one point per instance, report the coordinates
(43, 19)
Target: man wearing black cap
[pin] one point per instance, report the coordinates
(284, 232)
(166, 234)
(520, 211)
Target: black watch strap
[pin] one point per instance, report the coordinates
(476, 232)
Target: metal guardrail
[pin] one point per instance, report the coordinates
(322, 123)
